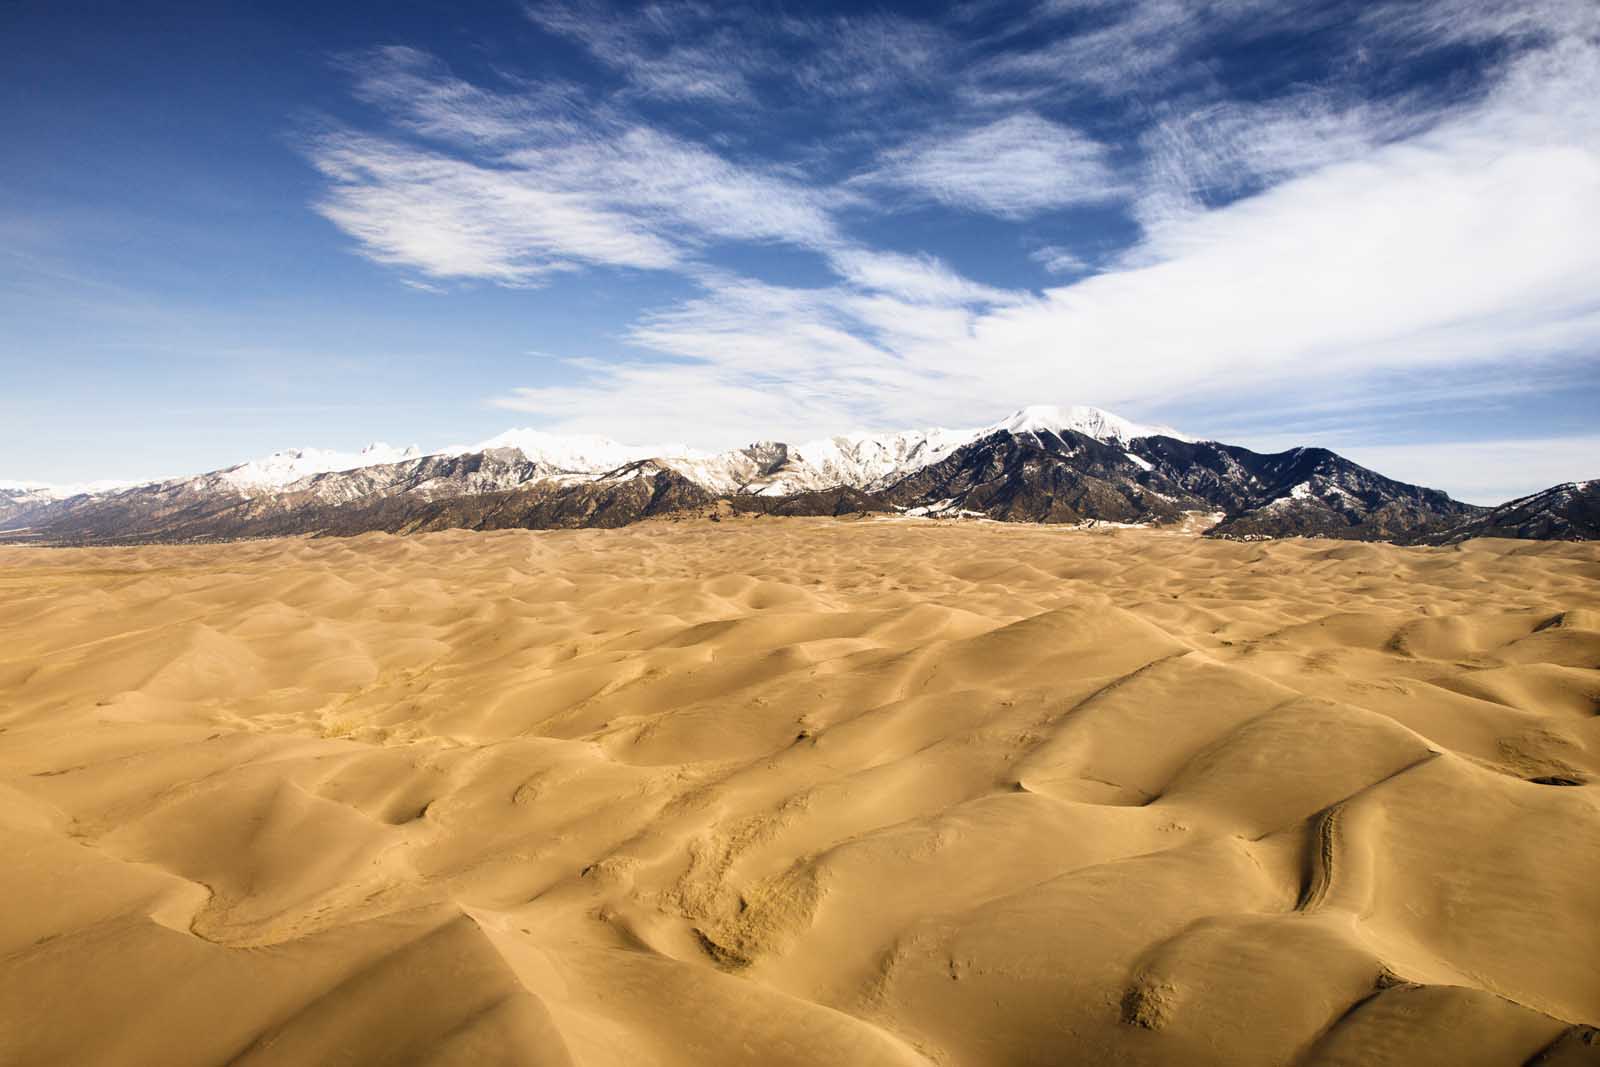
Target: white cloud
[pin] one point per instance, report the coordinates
(417, 91)
(1218, 149)
(1442, 22)
(768, 332)
(1473, 244)
(916, 279)
(452, 219)
(721, 53)
(1013, 167)
(654, 51)
(542, 193)
(1134, 41)
(865, 55)
(748, 357)
(674, 183)
(1142, 50)
(1120, 49)
(1059, 260)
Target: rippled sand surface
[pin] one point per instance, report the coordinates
(800, 792)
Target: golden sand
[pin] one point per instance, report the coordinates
(800, 792)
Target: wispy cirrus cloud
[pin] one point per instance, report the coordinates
(1059, 260)
(539, 192)
(730, 54)
(1427, 26)
(796, 362)
(1127, 49)
(918, 279)
(863, 55)
(674, 51)
(1211, 153)
(449, 218)
(1143, 51)
(419, 93)
(1013, 167)
(1469, 243)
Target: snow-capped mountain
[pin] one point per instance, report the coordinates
(574, 453)
(291, 465)
(1038, 464)
(874, 461)
(860, 460)
(1089, 421)
(21, 499)
(34, 492)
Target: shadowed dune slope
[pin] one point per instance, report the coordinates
(800, 792)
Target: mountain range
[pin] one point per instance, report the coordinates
(1077, 465)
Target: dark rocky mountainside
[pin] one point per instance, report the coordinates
(1070, 477)
(210, 507)
(1567, 512)
(1042, 476)
(638, 491)
(630, 494)
(1303, 492)
(842, 500)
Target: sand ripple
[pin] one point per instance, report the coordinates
(800, 792)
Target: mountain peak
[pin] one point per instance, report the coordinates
(291, 464)
(577, 452)
(1089, 421)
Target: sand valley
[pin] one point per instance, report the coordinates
(792, 791)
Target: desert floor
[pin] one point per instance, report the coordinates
(800, 792)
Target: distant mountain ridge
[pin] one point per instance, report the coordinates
(1566, 512)
(1041, 464)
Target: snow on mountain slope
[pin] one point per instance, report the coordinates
(866, 460)
(291, 465)
(1089, 421)
(861, 460)
(873, 461)
(733, 471)
(1042, 463)
(39, 492)
(858, 460)
(577, 453)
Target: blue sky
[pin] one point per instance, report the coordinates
(228, 228)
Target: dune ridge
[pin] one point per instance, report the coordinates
(799, 792)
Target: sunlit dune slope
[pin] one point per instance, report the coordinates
(800, 792)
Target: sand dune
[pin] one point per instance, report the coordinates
(800, 792)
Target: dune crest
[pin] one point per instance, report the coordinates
(800, 792)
